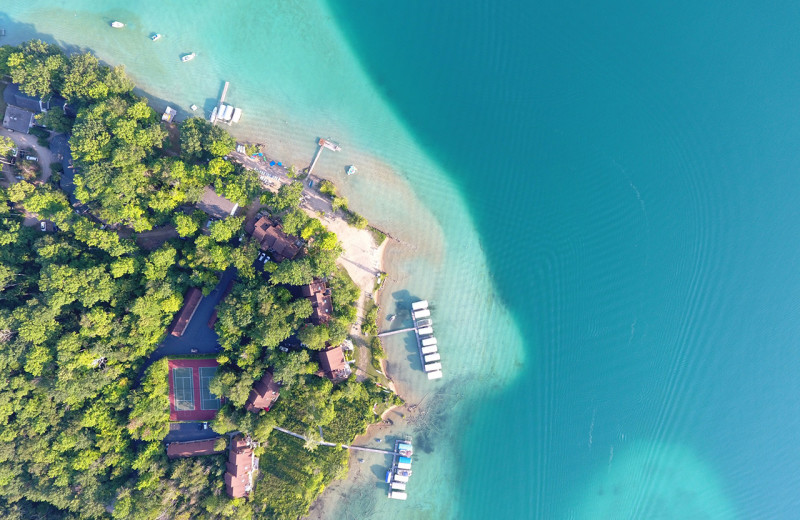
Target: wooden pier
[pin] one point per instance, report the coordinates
(398, 331)
(322, 143)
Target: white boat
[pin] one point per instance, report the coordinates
(418, 306)
(400, 478)
(351, 170)
(436, 374)
(213, 117)
(427, 342)
(155, 37)
(430, 358)
(117, 25)
(390, 318)
(424, 313)
(237, 115)
(430, 349)
(228, 113)
(188, 57)
(400, 486)
(432, 367)
(398, 495)
(424, 331)
(193, 107)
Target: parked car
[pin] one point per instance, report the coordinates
(31, 158)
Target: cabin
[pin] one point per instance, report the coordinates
(239, 468)
(192, 448)
(263, 394)
(333, 364)
(271, 238)
(216, 206)
(190, 303)
(18, 119)
(319, 295)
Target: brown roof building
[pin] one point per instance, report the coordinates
(320, 296)
(191, 449)
(190, 302)
(239, 468)
(263, 394)
(270, 237)
(333, 364)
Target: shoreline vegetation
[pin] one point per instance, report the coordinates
(88, 296)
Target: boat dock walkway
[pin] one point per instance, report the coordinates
(221, 102)
(322, 143)
(333, 444)
(398, 331)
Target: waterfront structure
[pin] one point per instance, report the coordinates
(169, 114)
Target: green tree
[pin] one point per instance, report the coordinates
(6, 145)
(185, 225)
(36, 66)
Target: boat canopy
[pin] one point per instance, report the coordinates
(430, 349)
(404, 460)
(399, 485)
(404, 465)
(425, 331)
(398, 495)
(429, 358)
(433, 366)
(237, 115)
(401, 478)
(428, 342)
(404, 447)
(418, 306)
(436, 374)
(424, 313)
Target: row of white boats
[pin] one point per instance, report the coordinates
(397, 476)
(426, 342)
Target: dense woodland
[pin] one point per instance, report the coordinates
(84, 408)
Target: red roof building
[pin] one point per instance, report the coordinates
(190, 303)
(191, 449)
(239, 468)
(263, 394)
(333, 364)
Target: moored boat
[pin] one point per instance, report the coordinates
(117, 25)
(155, 37)
(351, 170)
(188, 57)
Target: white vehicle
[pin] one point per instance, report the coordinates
(43, 225)
(31, 158)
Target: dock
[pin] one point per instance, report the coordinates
(392, 332)
(321, 144)
(400, 470)
(220, 108)
(426, 343)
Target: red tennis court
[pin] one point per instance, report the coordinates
(189, 396)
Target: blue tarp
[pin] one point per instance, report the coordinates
(404, 460)
(272, 163)
(280, 164)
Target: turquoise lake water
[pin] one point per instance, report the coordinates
(602, 202)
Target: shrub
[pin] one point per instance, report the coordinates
(40, 132)
(357, 221)
(56, 167)
(328, 188)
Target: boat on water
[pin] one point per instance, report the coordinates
(390, 317)
(117, 25)
(188, 57)
(193, 107)
(330, 145)
(351, 170)
(155, 37)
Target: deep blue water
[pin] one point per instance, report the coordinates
(640, 219)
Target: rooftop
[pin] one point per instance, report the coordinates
(271, 237)
(263, 394)
(18, 119)
(333, 364)
(239, 468)
(215, 205)
(192, 448)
